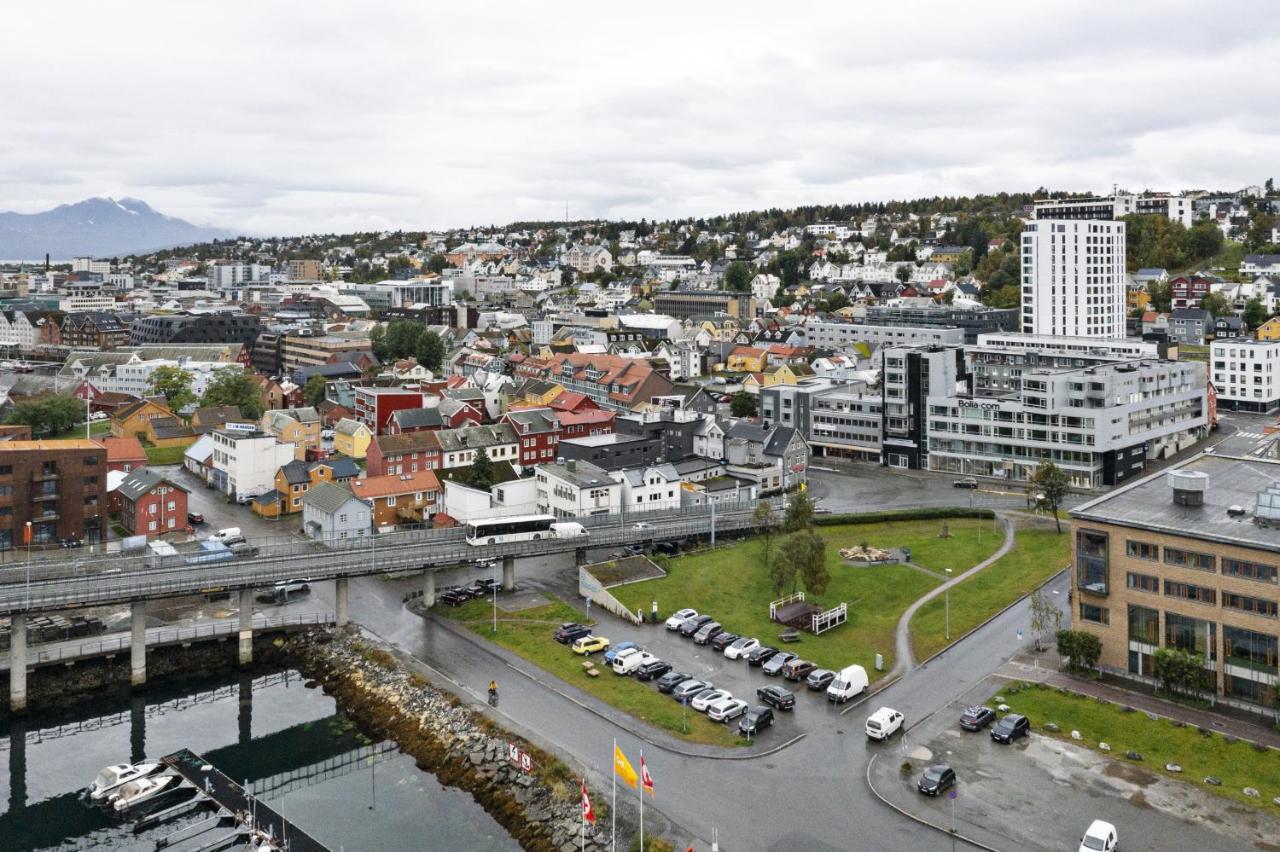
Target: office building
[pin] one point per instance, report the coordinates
(683, 304)
(1073, 278)
(843, 336)
(1245, 374)
(836, 417)
(974, 321)
(196, 328)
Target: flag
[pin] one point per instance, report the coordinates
(646, 780)
(587, 813)
(622, 768)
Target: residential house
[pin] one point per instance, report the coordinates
(297, 426)
(1269, 330)
(169, 432)
(1254, 265)
(774, 457)
(405, 453)
(130, 421)
(295, 479)
(94, 330)
(1225, 328)
(419, 420)
(610, 380)
(588, 421)
(1188, 292)
(1190, 325)
(575, 489)
(151, 504)
(124, 454)
(649, 489)
(374, 406)
(351, 438)
(538, 431)
(746, 359)
(205, 420)
(458, 447)
(407, 498)
(332, 513)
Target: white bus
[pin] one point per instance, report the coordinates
(516, 528)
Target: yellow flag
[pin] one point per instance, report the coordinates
(623, 767)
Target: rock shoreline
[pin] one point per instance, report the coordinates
(461, 746)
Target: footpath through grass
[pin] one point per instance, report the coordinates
(732, 584)
(1036, 556)
(529, 634)
(1237, 764)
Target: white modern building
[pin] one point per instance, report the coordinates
(841, 336)
(17, 331)
(1245, 374)
(224, 275)
(88, 264)
(1073, 278)
(245, 462)
(648, 489)
(576, 489)
(1177, 208)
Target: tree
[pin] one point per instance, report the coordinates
(743, 404)
(1216, 304)
(737, 277)
(903, 274)
(437, 263)
(802, 555)
(782, 573)
(1161, 293)
(1255, 313)
(402, 338)
(1179, 671)
(1045, 617)
(482, 473)
(314, 390)
(1050, 484)
(1204, 240)
(799, 513)
(233, 386)
(1081, 649)
(48, 415)
(378, 341)
(766, 523)
(174, 384)
(429, 350)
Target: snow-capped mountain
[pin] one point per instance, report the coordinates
(99, 227)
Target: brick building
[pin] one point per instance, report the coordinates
(151, 504)
(59, 487)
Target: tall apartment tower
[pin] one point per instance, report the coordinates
(1073, 278)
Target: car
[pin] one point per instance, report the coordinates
(723, 640)
(726, 709)
(195, 518)
(667, 548)
(641, 526)
(679, 617)
(761, 655)
(612, 654)
(773, 666)
(777, 696)
(669, 681)
(571, 632)
(755, 720)
(633, 550)
(883, 724)
(226, 535)
(652, 670)
(243, 550)
(630, 660)
(798, 669)
(936, 779)
(233, 541)
(707, 697)
(848, 682)
(1010, 728)
(485, 586)
(819, 679)
(691, 626)
(588, 645)
(966, 482)
(99, 415)
(688, 689)
(1099, 837)
(740, 647)
(453, 597)
(977, 718)
(293, 587)
(707, 632)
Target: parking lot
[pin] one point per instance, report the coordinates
(1042, 792)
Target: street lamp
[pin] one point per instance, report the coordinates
(946, 595)
(27, 536)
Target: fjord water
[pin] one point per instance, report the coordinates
(297, 752)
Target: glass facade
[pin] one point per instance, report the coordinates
(1191, 634)
(1091, 562)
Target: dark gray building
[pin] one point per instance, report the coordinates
(196, 328)
(973, 321)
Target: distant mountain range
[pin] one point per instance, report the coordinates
(97, 227)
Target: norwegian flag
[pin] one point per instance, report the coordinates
(587, 813)
(646, 780)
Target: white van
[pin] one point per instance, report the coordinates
(568, 529)
(228, 533)
(630, 659)
(883, 724)
(849, 681)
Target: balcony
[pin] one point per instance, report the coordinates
(44, 495)
(44, 515)
(44, 476)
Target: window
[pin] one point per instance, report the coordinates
(1250, 650)
(1249, 570)
(1144, 625)
(1091, 562)
(342, 519)
(1189, 592)
(1095, 613)
(391, 501)
(1191, 635)
(1142, 550)
(1188, 559)
(1246, 603)
(1143, 582)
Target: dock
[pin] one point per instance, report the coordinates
(251, 814)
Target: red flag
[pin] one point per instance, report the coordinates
(646, 780)
(587, 813)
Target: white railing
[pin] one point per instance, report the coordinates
(781, 602)
(831, 618)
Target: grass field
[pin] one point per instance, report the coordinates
(165, 455)
(1237, 764)
(732, 583)
(530, 637)
(1036, 556)
(97, 429)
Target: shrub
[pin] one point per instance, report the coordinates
(1080, 648)
(905, 768)
(928, 514)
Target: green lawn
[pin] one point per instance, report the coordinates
(732, 583)
(96, 429)
(1238, 764)
(530, 637)
(1036, 556)
(165, 455)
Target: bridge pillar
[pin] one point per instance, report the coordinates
(246, 626)
(137, 728)
(340, 607)
(508, 573)
(138, 643)
(429, 588)
(580, 557)
(17, 768)
(245, 717)
(18, 663)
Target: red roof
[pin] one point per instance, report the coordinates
(585, 416)
(123, 449)
(572, 401)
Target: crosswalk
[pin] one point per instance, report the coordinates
(1250, 435)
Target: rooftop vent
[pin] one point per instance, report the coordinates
(1188, 487)
(1235, 510)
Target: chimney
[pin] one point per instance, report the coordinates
(1188, 487)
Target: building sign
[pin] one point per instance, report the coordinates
(519, 757)
(973, 403)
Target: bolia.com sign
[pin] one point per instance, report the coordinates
(973, 403)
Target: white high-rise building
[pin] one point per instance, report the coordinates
(1073, 278)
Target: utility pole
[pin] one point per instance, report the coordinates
(947, 604)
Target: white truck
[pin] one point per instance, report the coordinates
(630, 659)
(568, 529)
(849, 681)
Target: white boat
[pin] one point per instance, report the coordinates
(112, 778)
(142, 790)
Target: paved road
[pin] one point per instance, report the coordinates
(842, 486)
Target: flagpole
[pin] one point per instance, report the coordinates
(582, 806)
(641, 793)
(613, 804)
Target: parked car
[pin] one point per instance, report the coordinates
(227, 534)
(1010, 728)
(652, 670)
(588, 645)
(688, 689)
(691, 626)
(798, 669)
(848, 682)
(1099, 837)
(669, 681)
(243, 550)
(936, 779)
(723, 640)
(755, 720)
(679, 617)
(819, 679)
(761, 655)
(966, 482)
(883, 724)
(482, 587)
(667, 548)
(726, 709)
(977, 718)
(741, 647)
(707, 632)
(777, 696)
(453, 597)
(571, 632)
(631, 659)
(195, 518)
(773, 666)
(707, 697)
(612, 654)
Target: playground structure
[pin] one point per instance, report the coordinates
(795, 612)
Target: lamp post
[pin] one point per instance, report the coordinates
(946, 595)
(493, 563)
(27, 534)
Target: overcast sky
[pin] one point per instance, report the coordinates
(286, 118)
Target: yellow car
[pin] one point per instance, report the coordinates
(588, 645)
